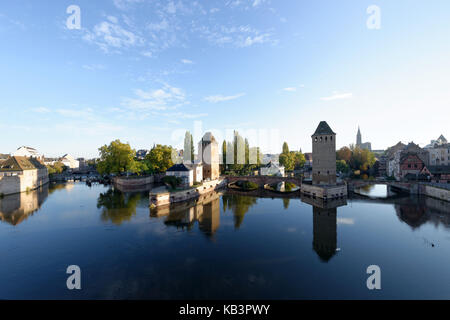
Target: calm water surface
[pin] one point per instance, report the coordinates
(229, 246)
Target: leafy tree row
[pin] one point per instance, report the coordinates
(291, 159)
(119, 158)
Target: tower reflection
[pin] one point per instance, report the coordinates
(324, 225)
(205, 211)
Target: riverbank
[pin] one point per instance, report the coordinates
(167, 197)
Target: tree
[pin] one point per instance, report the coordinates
(285, 148)
(224, 153)
(117, 158)
(342, 166)
(287, 160)
(188, 151)
(159, 159)
(56, 168)
(192, 149)
(344, 154)
(299, 160)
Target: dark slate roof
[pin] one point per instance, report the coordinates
(439, 169)
(178, 167)
(323, 128)
(20, 164)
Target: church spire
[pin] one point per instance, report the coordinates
(358, 138)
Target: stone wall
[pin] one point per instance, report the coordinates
(159, 199)
(28, 180)
(134, 181)
(437, 193)
(324, 192)
(263, 180)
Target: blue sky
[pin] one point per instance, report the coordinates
(145, 71)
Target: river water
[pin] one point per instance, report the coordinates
(230, 246)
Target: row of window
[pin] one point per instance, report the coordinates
(321, 139)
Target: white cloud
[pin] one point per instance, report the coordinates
(293, 89)
(238, 36)
(187, 61)
(337, 96)
(110, 35)
(93, 67)
(125, 4)
(221, 98)
(41, 110)
(164, 98)
(147, 54)
(84, 114)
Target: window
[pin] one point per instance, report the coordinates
(326, 139)
(321, 139)
(315, 139)
(331, 138)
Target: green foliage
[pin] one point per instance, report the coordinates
(56, 168)
(355, 158)
(288, 186)
(159, 159)
(117, 158)
(285, 148)
(172, 181)
(247, 185)
(188, 151)
(342, 166)
(241, 153)
(291, 159)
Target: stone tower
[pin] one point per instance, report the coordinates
(208, 154)
(358, 138)
(324, 155)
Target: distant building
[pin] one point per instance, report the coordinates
(439, 152)
(438, 142)
(324, 155)
(188, 173)
(50, 161)
(440, 174)
(19, 174)
(360, 144)
(27, 152)
(272, 169)
(268, 157)
(70, 161)
(208, 155)
(411, 164)
(309, 160)
(140, 154)
(398, 153)
(182, 171)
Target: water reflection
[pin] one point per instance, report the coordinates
(205, 211)
(117, 206)
(239, 205)
(324, 226)
(416, 211)
(16, 208)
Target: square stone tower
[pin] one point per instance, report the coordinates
(208, 154)
(324, 155)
